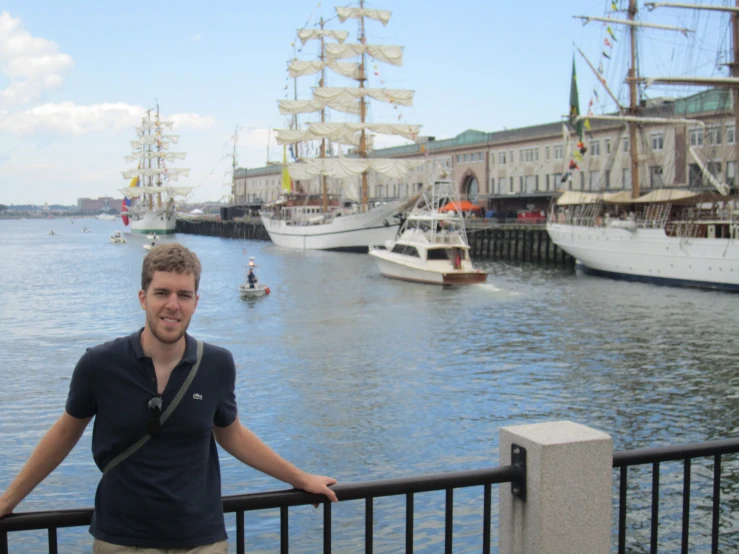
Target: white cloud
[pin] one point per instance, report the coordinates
(190, 120)
(32, 64)
(68, 119)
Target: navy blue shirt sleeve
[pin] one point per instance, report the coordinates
(226, 411)
(81, 399)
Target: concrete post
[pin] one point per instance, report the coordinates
(568, 491)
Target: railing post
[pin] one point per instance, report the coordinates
(567, 506)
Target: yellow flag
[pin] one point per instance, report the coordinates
(285, 173)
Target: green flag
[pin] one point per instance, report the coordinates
(575, 103)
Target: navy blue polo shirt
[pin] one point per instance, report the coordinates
(168, 493)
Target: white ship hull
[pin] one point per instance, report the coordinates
(159, 222)
(650, 255)
(349, 232)
(413, 269)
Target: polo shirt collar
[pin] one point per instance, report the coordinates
(191, 347)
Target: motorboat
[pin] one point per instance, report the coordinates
(252, 287)
(117, 237)
(431, 245)
(85, 230)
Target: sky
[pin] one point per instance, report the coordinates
(77, 76)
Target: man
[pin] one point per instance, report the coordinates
(166, 496)
(251, 278)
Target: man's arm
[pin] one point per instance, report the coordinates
(56, 444)
(246, 447)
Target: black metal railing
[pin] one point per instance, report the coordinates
(655, 456)
(448, 482)
(368, 491)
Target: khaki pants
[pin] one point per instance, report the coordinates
(102, 547)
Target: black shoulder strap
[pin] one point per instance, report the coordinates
(180, 393)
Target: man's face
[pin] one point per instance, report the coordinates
(169, 302)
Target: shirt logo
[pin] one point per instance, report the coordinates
(197, 396)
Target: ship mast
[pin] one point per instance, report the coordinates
(322, 83)
(363, 108)
(734, 65)
(233, 166)
(633, 105)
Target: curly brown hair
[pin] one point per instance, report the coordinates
(169, 257)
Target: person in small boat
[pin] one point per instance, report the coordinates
(165, 497)
(251, 278)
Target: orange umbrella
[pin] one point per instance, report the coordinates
(463, 206)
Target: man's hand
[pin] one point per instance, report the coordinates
(317, 484)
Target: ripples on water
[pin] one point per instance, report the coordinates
(352, 375)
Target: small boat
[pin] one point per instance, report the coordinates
(154, 241)
(85, 230)
(252, 287)
(117, 238)
(52, 232)
(431, 246)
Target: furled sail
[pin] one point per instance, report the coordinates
(301, 68)
(289, 107)
(383, 16)
(290, 136)
(153, 139)
(168, 156)
(331, 130)
(307, 34)
(351, 167)
(387, 54)
(136, 192)
(148, 125)
(399, 97)
(171, 173)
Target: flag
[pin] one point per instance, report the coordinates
(607, 43)
(286, 183)
(606, 55)
(595, 93)
(614, 7)
(575, 103)
(610, 33)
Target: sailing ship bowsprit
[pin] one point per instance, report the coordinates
(308, 217)
(149, 200)
(677, 222)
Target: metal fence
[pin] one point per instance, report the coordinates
(650, 458)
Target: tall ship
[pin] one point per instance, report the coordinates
(149, 201)
(336, 144)
(677, 222)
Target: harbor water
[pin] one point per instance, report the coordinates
(349, 374)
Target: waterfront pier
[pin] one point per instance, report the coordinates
(488, 240)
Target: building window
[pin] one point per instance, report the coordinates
(492, 158)
(466, 158)
(510, 157)
(546, 182)
(595, 148)
(594, 180)
(713, 134)
(608, 146)
(626, 144)
(696, 137)
(731, 134)
(559, 152)
(546, 153)
(655, 176)
(459, 158)
(731, 174)
(556, 180)
(529, 155)
(510, 180)
(626, 179)
(658, 141)
(501, 158)
(491, 186)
